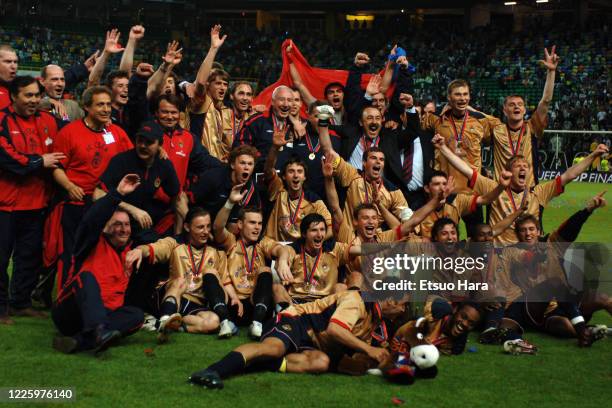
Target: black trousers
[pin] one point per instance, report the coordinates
(80, 311)
(20, 236)
(71, 217)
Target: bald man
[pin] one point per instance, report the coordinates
(8, 72)
(258, 129)
(54, 82)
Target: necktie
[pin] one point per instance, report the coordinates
(407, 166)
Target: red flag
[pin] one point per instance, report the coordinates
(315, 79)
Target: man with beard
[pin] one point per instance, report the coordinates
(207, 115)
(193, 299)
(25, 138)
(248, 280)
(8, 72)
(303, 336)
(292, 202)
(54, 82)
(258, 129)
(519, 191)
(89, 144)
(90, 311)
(155, 174)
(211, 189)
(535, 287)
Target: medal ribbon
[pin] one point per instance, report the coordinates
(515, 148)
(294, 215)
(380, 333)
(196, 268)
(249, 263)
(236, 128)
(247, 197)
(276, 125)
(309, 143)
(511, 197)
(459, 136)
(309, 277)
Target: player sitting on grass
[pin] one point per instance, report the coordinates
(533, 272)
(193, 299)
(89, 311)
(300, 338)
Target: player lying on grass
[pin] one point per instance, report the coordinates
(301, 337)
(193, 299)
(533, 271)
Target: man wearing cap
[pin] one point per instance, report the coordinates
(155, 174)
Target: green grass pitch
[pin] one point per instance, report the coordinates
(561, 375)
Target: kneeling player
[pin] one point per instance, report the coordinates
(341, 320)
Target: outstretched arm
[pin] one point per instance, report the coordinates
(223, 215)
(331, 193)
(504, 224)
(111, 46)
(278, 141)
(580, 167)
(127, 59)
(453, 159)
(504, 182)
(171, 58)
(203, 73)
(297, 79)
(550, 62)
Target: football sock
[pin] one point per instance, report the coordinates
(275, 364)
(168, 306)
(215, 295)
(262, 296)
(233, 363)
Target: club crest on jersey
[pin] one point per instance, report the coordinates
(157, 182)
(286, 327)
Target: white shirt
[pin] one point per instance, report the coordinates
(356, 158)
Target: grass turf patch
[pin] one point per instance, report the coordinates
(560, 375)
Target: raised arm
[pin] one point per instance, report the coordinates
(504, 224)
(223, 215)
(111, 46)
(388, 73)
(171, 58)
(453, 159)
(204, 72)
(550, 62)
(324, 113)
(278, 141)
(127, 59)
(580, 167)
(297, 79)
(504, 183)
(332, 195)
